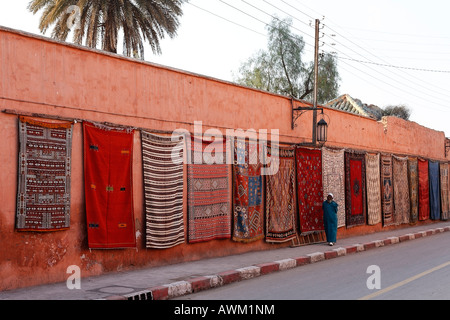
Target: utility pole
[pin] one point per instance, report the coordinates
(316, 79)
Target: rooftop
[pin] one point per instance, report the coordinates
(356, 106)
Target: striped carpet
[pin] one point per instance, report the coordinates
(163, 186)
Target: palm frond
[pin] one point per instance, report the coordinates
(101, 21)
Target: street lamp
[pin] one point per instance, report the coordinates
(322, 131)
(319, 130)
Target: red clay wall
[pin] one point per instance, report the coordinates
(42, 76)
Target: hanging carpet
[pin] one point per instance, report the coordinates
(373, 189)
(387, 190)
(209, 211)
(413, 178)
(424, 189)
(355, 182)
(309, 189)
(280, 196)
(43, 190)
(445, 215)
(248, 217)
(162, 160)
(333, 175)
(435, 199)
(108, 154)
(402, 205)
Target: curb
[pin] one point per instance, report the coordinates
(181, 288)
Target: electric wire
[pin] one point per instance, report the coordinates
(274, 17)
(339, 57)
(403, 78)
(397, 67)
(356, 38)
(228, 20)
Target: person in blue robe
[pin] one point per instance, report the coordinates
(330, 220)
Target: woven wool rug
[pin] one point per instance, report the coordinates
(413, 178)
(248, 215)
(209, 207)
(355, 203)
(445, 214)
(163, 190)
(402, 205)
(43, 192)
(108, 154)
(448, 189)
(387, 190)
(373, 189)
(333, 175)
(424, 189)
(309, 189)
(435, 192)
(280, 197)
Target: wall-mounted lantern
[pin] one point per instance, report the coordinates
(320, 129)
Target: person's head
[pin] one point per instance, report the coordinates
(330, 197)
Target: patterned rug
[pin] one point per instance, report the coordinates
(424, 190)
(445, 214)
(163, 190)
(209, 206)
(43, 194)
(402, 204)
(413, 178)
(355, 203)
(373, 189)
(108, 154)
(248, 219)
(387, 190)
(333, 175)
(280, 197)
(435, 192)
(309, 189)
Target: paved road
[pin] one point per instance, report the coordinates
(413, 270)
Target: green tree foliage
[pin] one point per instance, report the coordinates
(280, 68)
(101, 21)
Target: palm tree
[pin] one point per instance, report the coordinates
(101, 21)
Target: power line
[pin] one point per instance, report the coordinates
(296, 9)
(350, 58)
(397, 67)
(257, 19)
(401, 83)
(384, 89)
(385, 62)
(274, 17)
(403, 78)
(339, 57)
(235, 23)
(228, 20)
(308, 25)
(428, 36)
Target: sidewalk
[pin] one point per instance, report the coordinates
(180, 279)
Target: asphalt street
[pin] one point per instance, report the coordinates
(413, 270)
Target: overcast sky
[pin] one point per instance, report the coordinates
(389, 52)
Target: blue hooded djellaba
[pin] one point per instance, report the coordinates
(330, 220)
